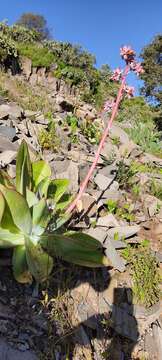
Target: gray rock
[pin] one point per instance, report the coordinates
(26, 65)
(7, 157)
(4, 111)
(117, 244)
(117, 131)
(123, 231)
(107, 221)
(66, 170)
(124, 324)
(102, 181)
(9, 353)
(117, 262)
(97, 233)
(157, 334)
(8, 132)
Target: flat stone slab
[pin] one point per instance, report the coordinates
(9, 353)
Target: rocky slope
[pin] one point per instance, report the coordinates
(84, 314)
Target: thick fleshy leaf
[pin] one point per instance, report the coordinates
(6, 180)
(41, 217)
(2, 206)
(64, 202)
(78, 248)
(31, 198)
(42, 188)
(9, 239)
(20, 267)
(39, 262)
(57, 188)
(41, 170)
(7, 221)
(23, 169)
(19, 209)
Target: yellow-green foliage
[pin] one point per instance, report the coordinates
(48, 138)
(39, 55)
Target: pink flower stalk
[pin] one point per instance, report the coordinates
(109, 104)
(101, 144)
(127, 53)
(117, 73)
(129, 91)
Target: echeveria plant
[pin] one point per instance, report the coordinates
(32, 218)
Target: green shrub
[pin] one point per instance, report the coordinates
(135, 110)
(39, 55)
(146, 135)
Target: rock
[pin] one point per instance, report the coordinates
(4, 111)
(102, 181)
(30, 113)
(124, 324)
(123, 231)
(8, 132)
(41, 120)
(7, 157)
(89, 205)
(97, 233)
(117, 244)
(107, 296)
(26, 65)
(110, 152)
(11, 170)
(151, 204)
(117, 262)
(15, 111)
(107, 221)
(9, 353)
(109, 171)
(66, 170)
(157, 334)
(117, 131)
(151, 159)
(126, 149)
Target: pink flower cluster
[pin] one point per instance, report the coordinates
(128, 55)
(136, 67)
(117, 73)
(109, 105)
(129, 91)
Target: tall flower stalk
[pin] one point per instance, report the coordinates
(129, 56)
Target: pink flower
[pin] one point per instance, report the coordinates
(129, 91)
(138, 69)
(117, 73)
(127, 53)
(109, 105)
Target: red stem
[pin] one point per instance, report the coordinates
(101, 144)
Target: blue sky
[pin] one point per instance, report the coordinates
(101, 26)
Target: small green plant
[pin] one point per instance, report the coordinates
(72, 122)
(111, 206)
(92, 131)
(125, 212)
(156, 189)
(116, 140)
(145, 277)
(48, 139)
(32, 218)
(136, 190)
(124, 174)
